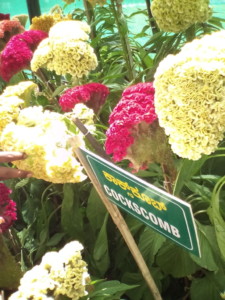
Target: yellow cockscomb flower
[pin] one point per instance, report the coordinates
(59, 273)
(66, 51)
(190, 96)
(178, 15)
(45, 22)
(49, 146)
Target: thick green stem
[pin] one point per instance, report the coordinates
(89, 11)
(123, 32)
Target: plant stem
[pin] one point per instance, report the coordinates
(167, 183)
(151, 20)
(91, 19)
(123, 32)
(124, 230)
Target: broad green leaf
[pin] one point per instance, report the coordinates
(176, 261)
(10, 272)
(187, 169)
(216, 218)
(110, 290)
(71, 215)
(22, 183)
(101, 251)
(55, 239)
(206, 260)
(95, 210)
(142, 292)
(209, 287)
(149, 244)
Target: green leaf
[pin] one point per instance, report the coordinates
(95, 210)
(101, 251)
(142, 292)
(55, 239)
(22, 183)
(110, 290)
(174, 260)
(208, 287)
(188, 169)
(149, 244)
(206, 260)
(58, 90)
(216, 218)
(71, 216)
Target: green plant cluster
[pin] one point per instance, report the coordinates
(51, 215)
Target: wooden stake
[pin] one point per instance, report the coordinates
(123, 228)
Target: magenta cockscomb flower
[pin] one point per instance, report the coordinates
(92, 94)
(4, 17)
(129, 132)
(18, 52)
(7, 208)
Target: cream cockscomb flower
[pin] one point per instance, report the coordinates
(59, 273)
(178, 15)
(12, 99)
(189, 97)
(66, 51)
(49, 146)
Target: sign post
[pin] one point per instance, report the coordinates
(120, 223)
(163, 212)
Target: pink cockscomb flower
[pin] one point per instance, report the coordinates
(9, 28)
(4, 17)
(7, 208)
(129, 133)
(92, 94)
(18, 52)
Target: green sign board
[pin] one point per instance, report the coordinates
(163, 212)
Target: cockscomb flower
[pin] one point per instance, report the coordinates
(13, 99)
(45, 22)
(18, 52)
(4, 17)
(7, 208)
(92, 94)
(9, 110)
(189, 100)
(9, 28)
(95, 2)
(59, 273)
(66, 51)
(129, 124)
(23, 90)
(45, 138)
(178, 15)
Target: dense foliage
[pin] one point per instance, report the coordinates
(79, 73)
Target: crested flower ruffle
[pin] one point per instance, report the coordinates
(189, 100)
(129, 123)
(66, 51)
(178, 15)
(92, 94)
(18, 52)
(49, 144)
(9, 28)
(7, 208)
(59, 273)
